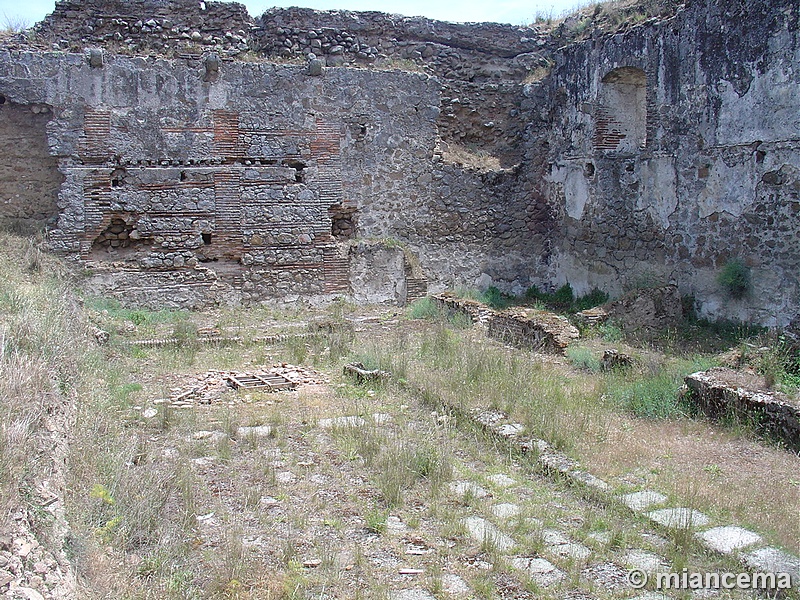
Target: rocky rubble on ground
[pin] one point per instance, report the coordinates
(209, 387)
(29, 571)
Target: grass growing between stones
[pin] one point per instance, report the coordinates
(629, 426)
(166, 502)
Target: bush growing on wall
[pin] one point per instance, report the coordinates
(735, 278)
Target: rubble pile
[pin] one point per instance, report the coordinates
(209, 387)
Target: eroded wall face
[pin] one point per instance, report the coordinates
(29, 176)
(187, 190)
(700, 169)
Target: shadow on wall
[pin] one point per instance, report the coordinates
(29, 176)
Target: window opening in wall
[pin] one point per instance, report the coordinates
(2, 99)
(589, 170)
(183, 175)
(343, 221)
(117, 177)
(621, 117)
(298, 166)
(206, 239)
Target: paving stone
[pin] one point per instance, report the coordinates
(555, 461)
(259, 431)
(454, 585)
(351, 421)
(678, 518)
(413, 594)
(601, 537)
(570, 550)
(590, 480)
(646, 561)
(640, 501)
(502, 481)
(483, 531)
(607, 575)
(651, 596)
(213, 436)
(726, 540)
(25, 593)
(541, 571)
(506, 510)
(461, 488)
(285, 477)
(395, 525)
(772, 560)
(381, 418)
(705, 593)
(578, 595)
(510, 430)
(554, 537)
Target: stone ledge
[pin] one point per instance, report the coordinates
(721, 391)
(521, 327)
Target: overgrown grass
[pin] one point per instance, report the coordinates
(583, 358)
(562, 300)
(42, 347)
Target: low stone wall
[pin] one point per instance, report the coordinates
(531, 328)
(522, 327)
(721, 391)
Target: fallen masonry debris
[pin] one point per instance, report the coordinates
(209, 387)
(362, 375)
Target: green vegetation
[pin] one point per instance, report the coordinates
(562, 300)
(583, 358)
(734, 278)
(169, 502)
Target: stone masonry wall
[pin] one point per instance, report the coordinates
(650, 154)
(713, 176)
(228, 179)
(29, 177)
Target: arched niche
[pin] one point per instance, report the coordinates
(621, 117)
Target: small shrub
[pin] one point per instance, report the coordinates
(424, 308)
(652, 398)
(610, 332)
(735, 278)
(594, 298)
(185, 332)
(563, 299)
(496, 299)
(583, 358)
(376, 520)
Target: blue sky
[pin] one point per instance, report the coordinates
(516, 12)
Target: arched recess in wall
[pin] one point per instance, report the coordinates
(29, 175)
(621, 118)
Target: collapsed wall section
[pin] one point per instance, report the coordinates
(674, 151)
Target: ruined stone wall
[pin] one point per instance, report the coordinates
(218, 186)
(29, 177)
(650, 155)
(143, 26)
(480, 65)
(675, 148)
